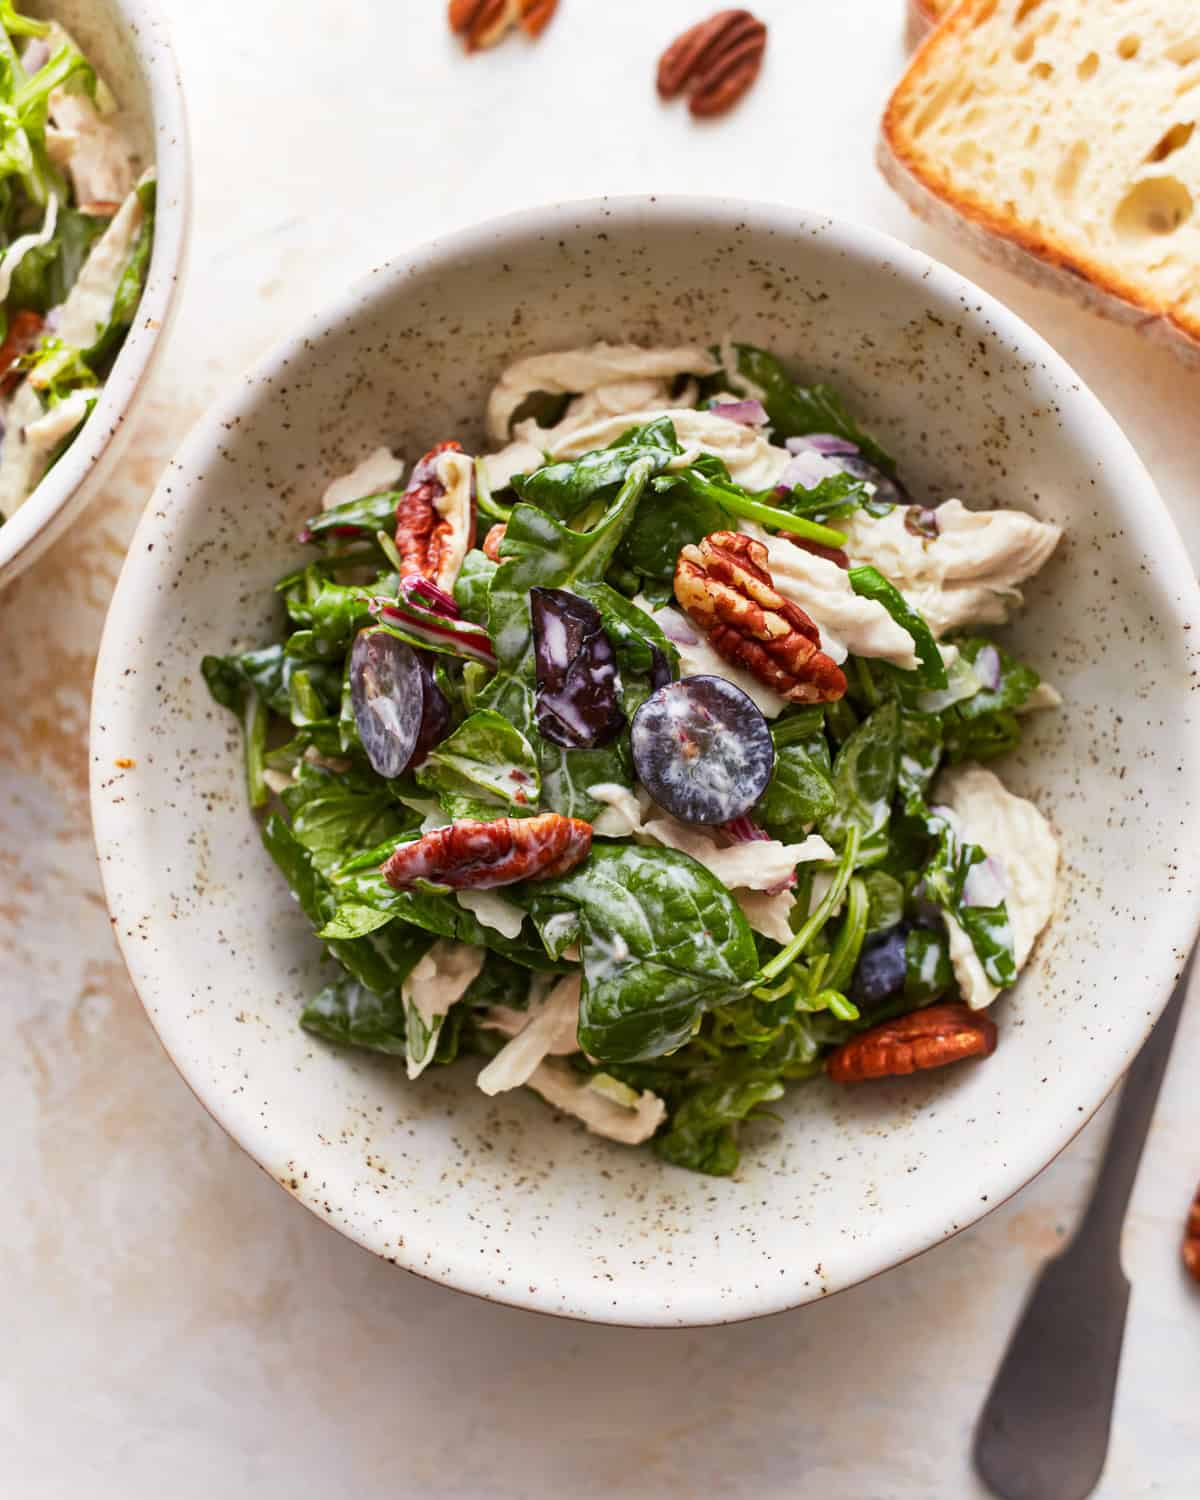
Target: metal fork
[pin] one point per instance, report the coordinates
(1043, 1432)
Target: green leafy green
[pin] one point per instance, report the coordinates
(564, 490)
(473, 584)
(800, 792)
(870, 583)
(353, 519)
(486, 769)
(46, 273)
(702, 1130)
(111, 335)
(798, 410)
(348, 1013)
(333, 812)
(676, 517)
(662, 942)
(864, 781)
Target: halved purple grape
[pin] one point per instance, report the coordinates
(435, 711)
(702, 749)
(881, 969)
(576, 666)
(399, 710)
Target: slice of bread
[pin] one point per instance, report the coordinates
(1060, 138)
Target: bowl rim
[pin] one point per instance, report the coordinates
(21, 533)
(459, 1268)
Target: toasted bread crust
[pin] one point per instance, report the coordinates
(1040, 257)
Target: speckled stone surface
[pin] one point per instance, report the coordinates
(174, 1321)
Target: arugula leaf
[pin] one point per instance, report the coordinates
(486, 769)
(986, 724)
(920, 749)
(864, 780)
(800, 792)
(838, 496)
(928, 972)
(736, 502)
(566, 489)
(885, 901)
(472, 586)
(662, 942)
(702, 1130)
(869, 583)
(797, 410)
(334, 813)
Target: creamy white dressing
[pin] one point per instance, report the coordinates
(969, 574)
(381, 470)
(1019, 840)
(561, 1086)
(574, 372)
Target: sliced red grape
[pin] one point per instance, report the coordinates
(435, 711)
(398, 708)
(702, 749)
(576, 668)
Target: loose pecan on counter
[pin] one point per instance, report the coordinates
(482, 23)
(928, 1038)
(715, 61)
(477, 856)
(1191, 1239)
(434, 529)
(724, 585)
(491, 542)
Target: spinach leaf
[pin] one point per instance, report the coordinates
(702, 1132)
(566, 489)
(675, 518)
(472, 585)
(568, 775)
(838, 496)
(920, 748)
(103, 350)
(864, 781)
(1017, 680)
(800, 792)
(928, 972)
(331, 613)
(870, 583)
(353, 520)
(662, 942)
(348, 1013)
(797, 410)
(538, 551)
(486, 769)
(885, 901)
(499, 982)
(986, 724)
(45, 274)
(336, 814)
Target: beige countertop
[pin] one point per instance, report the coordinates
(175, 1325)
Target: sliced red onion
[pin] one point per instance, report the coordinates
(806, 470)
(36, 55)
(748, 413)
(418, 589)
(824, 443)
(985, 884)
(920, 520)
(434, 628)
(986, 667)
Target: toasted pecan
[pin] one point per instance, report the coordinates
(491, 542)
(430, 540)
(468, 855)
(929, 1038)
(536, 15)
(715, 61)
(482, 23)
(1191, 1239)
(724, 586)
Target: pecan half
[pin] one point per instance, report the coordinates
(482, 23)
(928, 1038)
(477, 856)
(491, 542)
(24, 330)
(435, 527)
(724, 585)
(1191, 1239)
(716, 61)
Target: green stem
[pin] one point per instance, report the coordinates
(850, 939)
(766, 515)
(823, 912)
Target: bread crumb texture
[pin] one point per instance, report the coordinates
(1069, 127)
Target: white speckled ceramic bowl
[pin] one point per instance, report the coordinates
(128, 42)
(501, 1197)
